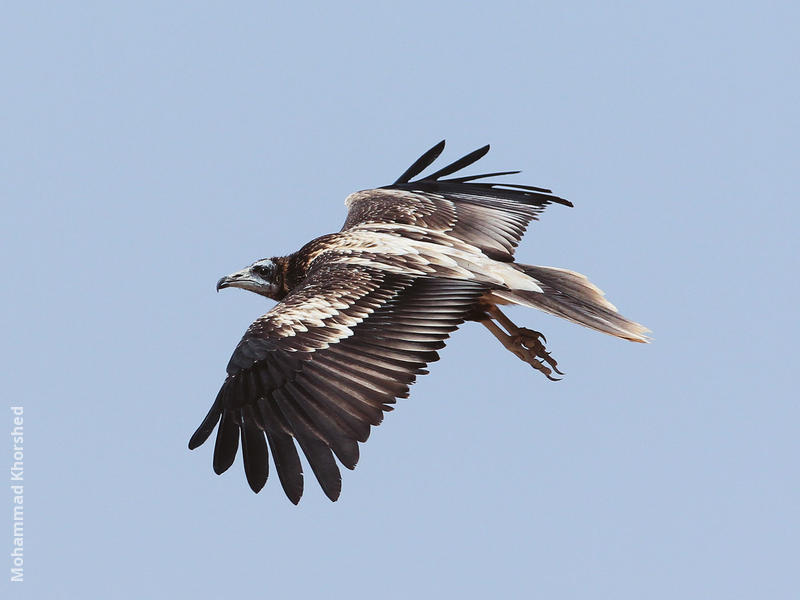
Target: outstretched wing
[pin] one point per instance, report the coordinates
(322, 366)
(490, 216)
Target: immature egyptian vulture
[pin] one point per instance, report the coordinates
(362, 312)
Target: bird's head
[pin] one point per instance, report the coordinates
(261, 277)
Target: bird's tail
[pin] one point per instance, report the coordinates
(572, 296)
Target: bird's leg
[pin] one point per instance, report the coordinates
(526, 344)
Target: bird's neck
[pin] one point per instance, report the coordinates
(288, 274)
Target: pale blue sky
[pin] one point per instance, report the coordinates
(149, 149)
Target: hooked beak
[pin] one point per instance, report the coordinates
(246, 279)
(241, 279)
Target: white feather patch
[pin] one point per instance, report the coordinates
(456, 256)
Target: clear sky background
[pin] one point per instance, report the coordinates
(150, 148)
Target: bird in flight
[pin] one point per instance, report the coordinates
(362, 312)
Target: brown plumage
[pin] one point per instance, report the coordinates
(362, 312)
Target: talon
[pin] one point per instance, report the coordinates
(551, 361)
(543, 370)
(525, 344)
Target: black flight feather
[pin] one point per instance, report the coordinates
(461, 163)
(207, 426)
(422, 163)
(254, 451)
(227, 443)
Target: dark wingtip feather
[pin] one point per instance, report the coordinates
(333, 491)
(287, 463)
(461, 163)
(347, 452)
(468, 178)
(227, 443)
(207, 426)
(563, 201)
(519, 186)
(200, 436)
(284, 453)
(323, 465)
(541, 194)
(254, 453)
(422, 163)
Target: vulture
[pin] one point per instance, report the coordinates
(362, 312)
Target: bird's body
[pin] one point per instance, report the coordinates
(363, 311)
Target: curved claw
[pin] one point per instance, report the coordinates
(534, 353)
(550, 361)
(525, 344)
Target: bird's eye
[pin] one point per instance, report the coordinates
(262, 271)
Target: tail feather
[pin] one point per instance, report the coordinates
(572, 296)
